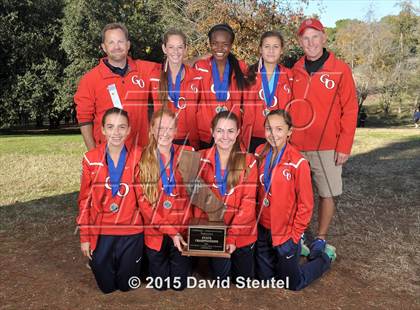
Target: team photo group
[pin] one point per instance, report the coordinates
(259, 143)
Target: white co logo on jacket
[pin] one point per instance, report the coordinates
(329, 84)
(135, 80)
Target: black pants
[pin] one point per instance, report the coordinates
(115, 260)
(240, 264)
(269, 263)
(168, 267)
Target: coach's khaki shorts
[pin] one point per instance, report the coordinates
(326, 176)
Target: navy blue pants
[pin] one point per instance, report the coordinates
(168, 268)
(240, 264)
(115, 260)
(269, 263)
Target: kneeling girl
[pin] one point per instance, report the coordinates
(285, 203)
(111, 228)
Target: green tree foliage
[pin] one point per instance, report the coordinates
(249, 19)
(30, 37)
(82, 25)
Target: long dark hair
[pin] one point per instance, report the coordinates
(163, 82)
(237, 158)
(253, 69)
(233, 61)
(287, 119)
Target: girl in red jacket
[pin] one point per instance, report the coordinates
(270, 88)
(223, 82)
(176, 86)
(232, 175)
(111, 228)
(285, 203)
(164, 204)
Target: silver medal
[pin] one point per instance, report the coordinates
(167, 204)
(266, 112)
(221, 109)
(114, 207)
(266, 202)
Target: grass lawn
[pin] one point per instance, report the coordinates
(376, 231)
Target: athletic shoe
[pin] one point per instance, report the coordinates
(304, 250)
(316, 248)
(330, 251)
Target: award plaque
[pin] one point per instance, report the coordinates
(205, 238)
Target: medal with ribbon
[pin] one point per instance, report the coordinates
(269, 91)
(168, 183)
(221, 180)
(174, 90)
(115, 173)
(268, 170)
(221, 88)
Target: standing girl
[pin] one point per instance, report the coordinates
(285, 203)
(164, 204)
(270, 88)
(232, 175)
(223, 82)
(176, 86)
(111, 228)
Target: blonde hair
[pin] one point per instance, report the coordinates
(149, 168)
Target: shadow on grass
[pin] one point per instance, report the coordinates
(40, 211)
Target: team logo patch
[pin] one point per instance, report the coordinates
(329, 84)
(122, 192)
(136, 81)
(287, 174)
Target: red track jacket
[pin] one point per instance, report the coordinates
(324, 109)
(240, 201)
(253, 120)
(189, 97)
(95, 199)
(93, 98)
(208, 103)
(291, 197)
(160, 220)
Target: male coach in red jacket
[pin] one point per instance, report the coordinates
(324, 114)
(117, 81)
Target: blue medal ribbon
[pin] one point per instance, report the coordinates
(268, 168)
(174, 94)
(220, 87)
(221, 181)
(269, 95)
(115, 173)
(167, 182)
